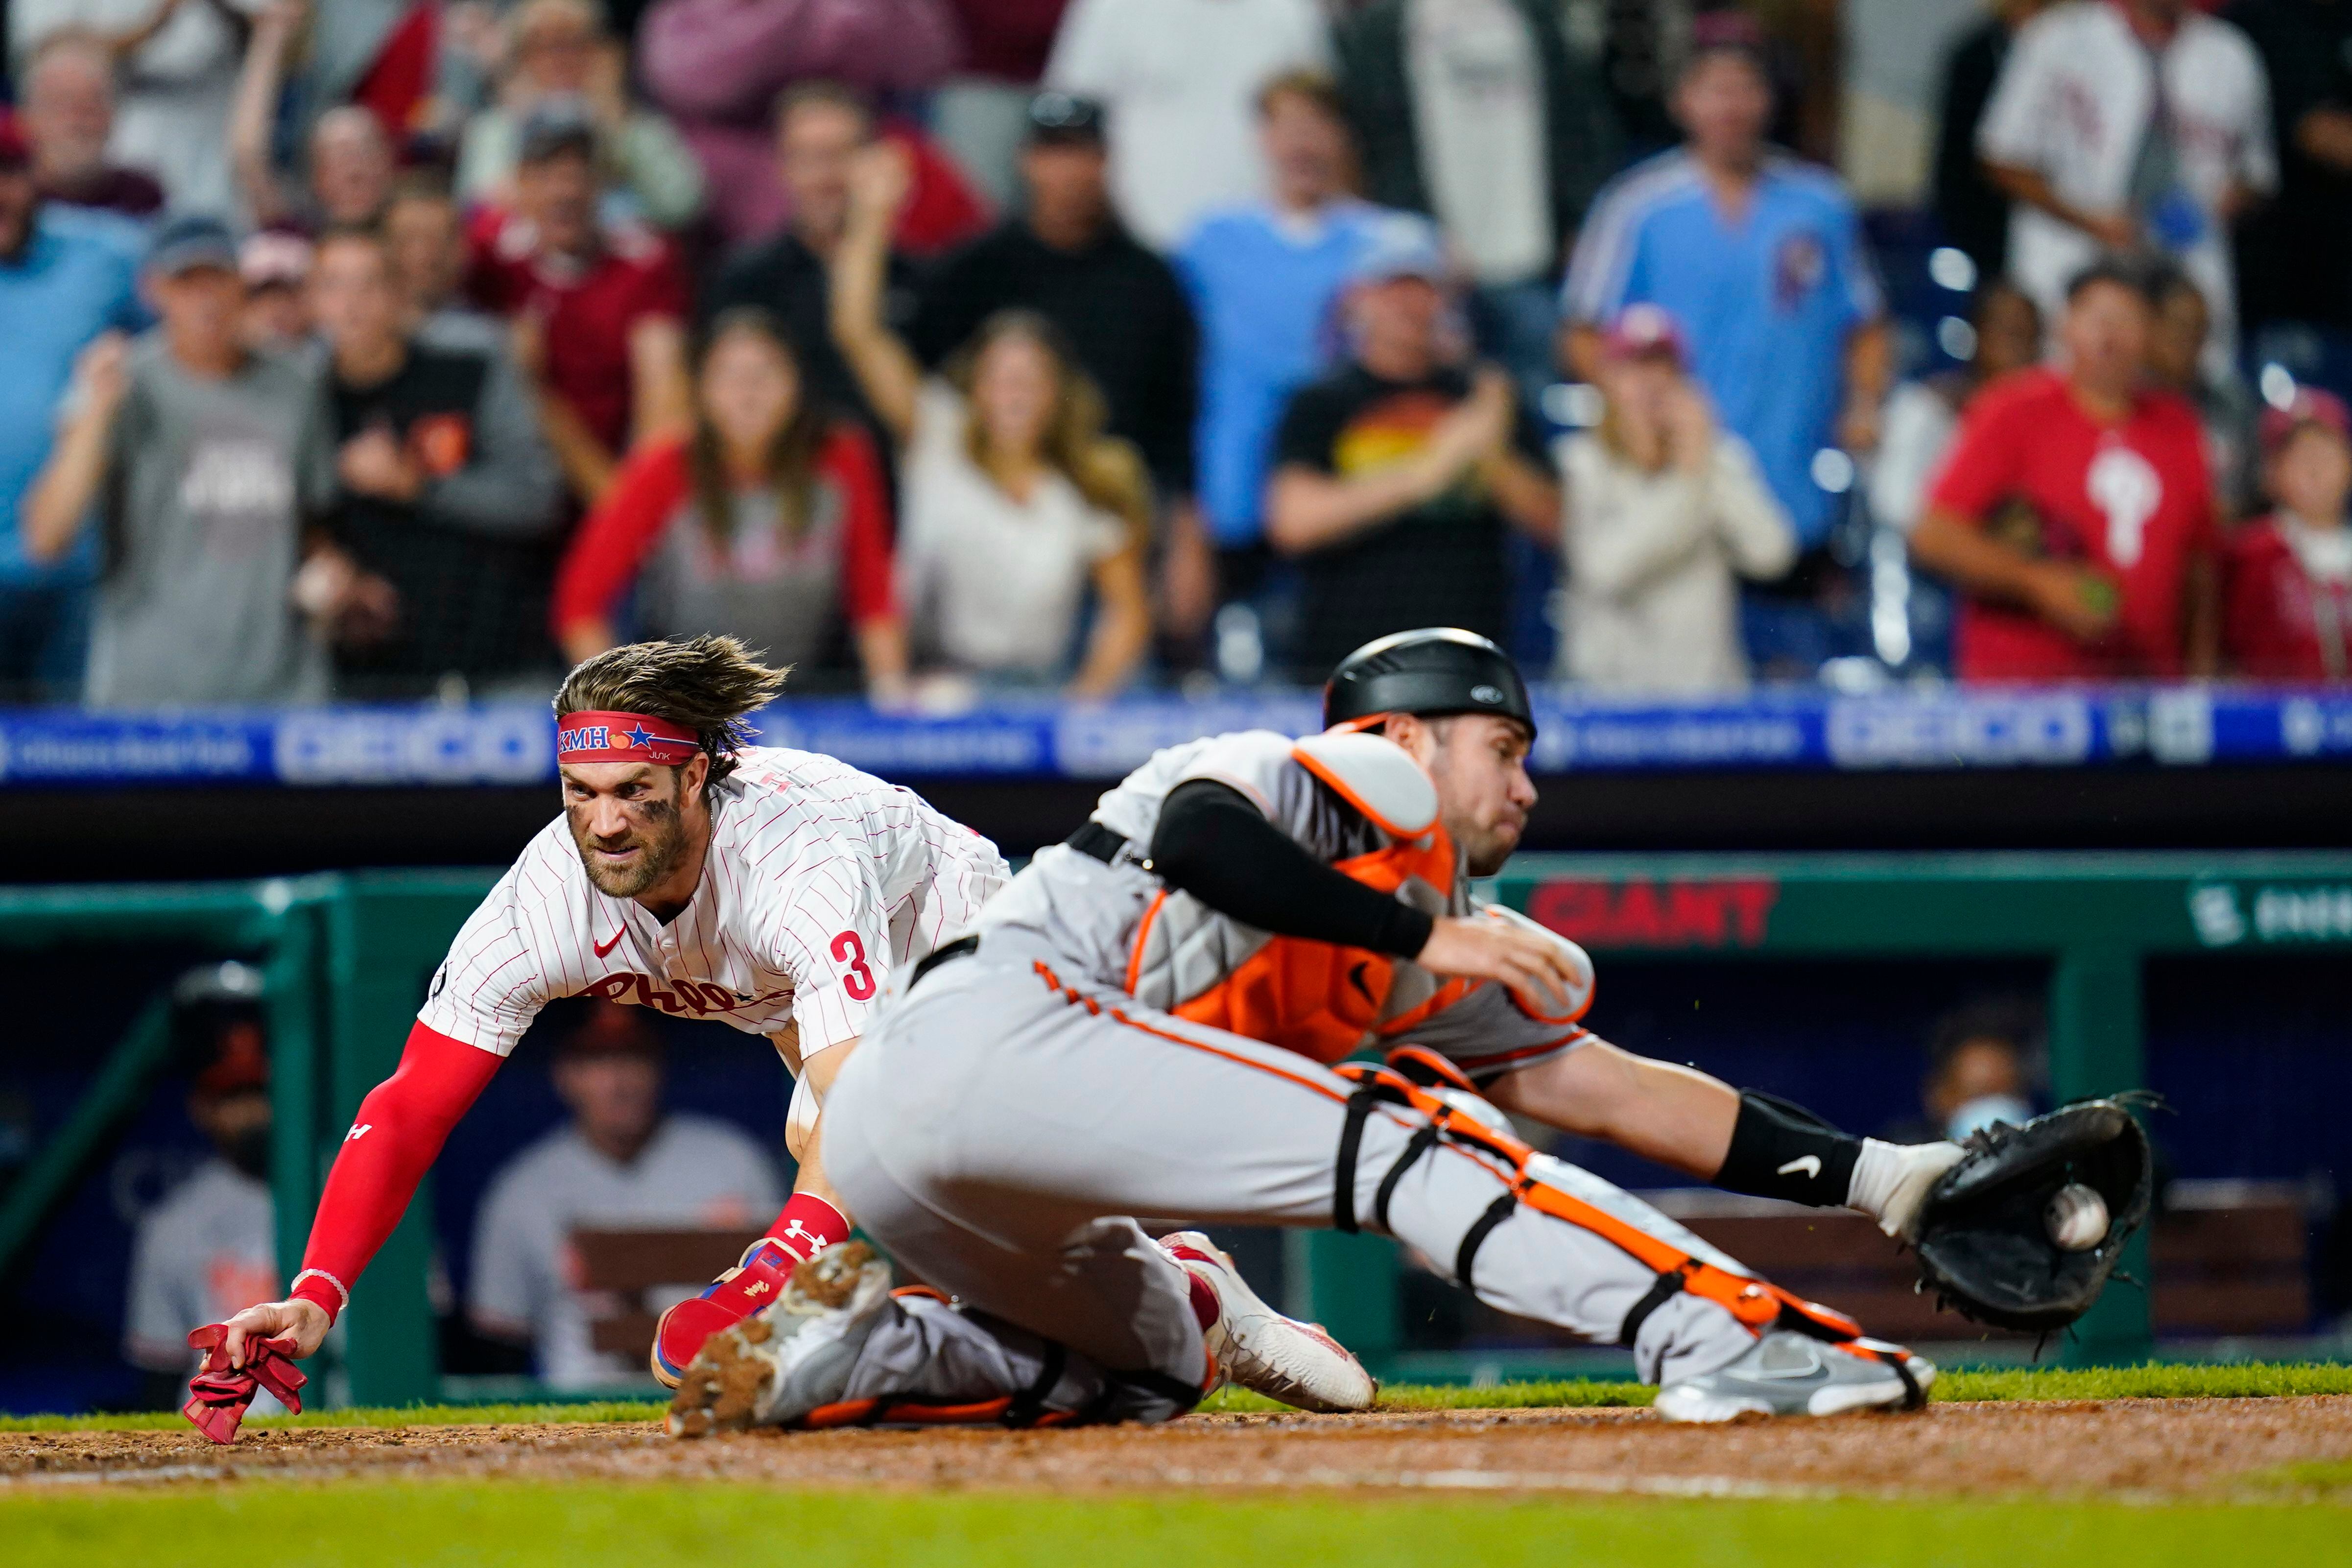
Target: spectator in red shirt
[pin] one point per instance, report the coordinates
(2287, 577)
(603, 310)
(2075, 513)
(767, 522)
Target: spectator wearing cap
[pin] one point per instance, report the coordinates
(1923, 415)
(1395, 476)
(210, 467)
(602, 308)
(2287, 577)
(1264, 278)
(1663, 514)
(61, 288)
(448, 489)
(1759, 258)
(2075, 515)
(1479, 113)
(821, 129)
(1017, 508)
(620, 1161)
(276, 266)
(209, 1249)
(720, 67)
(177, 66)
(1118, 306)
(559, 49)
(1177, 79)
(2129, 125)
(981, 110)
(349, 158)
(66, 108)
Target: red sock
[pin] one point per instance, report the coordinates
(1205, 1306)
(807, 1225)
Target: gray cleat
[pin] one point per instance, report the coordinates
(1790, 1374)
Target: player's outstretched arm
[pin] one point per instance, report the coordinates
(392, 1141)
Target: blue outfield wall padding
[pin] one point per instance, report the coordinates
(1798, 728)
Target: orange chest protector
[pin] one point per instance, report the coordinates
(1324, 1001)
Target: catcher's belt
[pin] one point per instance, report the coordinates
(1985, 1247)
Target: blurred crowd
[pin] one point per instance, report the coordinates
(398, 347)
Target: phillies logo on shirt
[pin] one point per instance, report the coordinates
(683, 997)
(2127, 491)
(1799, 264)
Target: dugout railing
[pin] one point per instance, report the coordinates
(346, 959)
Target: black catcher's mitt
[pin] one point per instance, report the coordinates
(1984, 1246)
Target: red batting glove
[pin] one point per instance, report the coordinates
(219, 1394)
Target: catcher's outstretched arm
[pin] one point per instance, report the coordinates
(1741, 1141)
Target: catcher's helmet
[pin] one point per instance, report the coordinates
(1434, 671)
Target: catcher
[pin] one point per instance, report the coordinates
(776, 890)
(1124, 1034)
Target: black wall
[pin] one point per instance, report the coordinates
(169, 835)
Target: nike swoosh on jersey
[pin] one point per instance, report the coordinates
(604, 947)
(1809, 1164)
(1356, 976)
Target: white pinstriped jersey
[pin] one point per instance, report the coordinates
(820, 881)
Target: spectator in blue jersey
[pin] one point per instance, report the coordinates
(60, 287)
(1264, 277)
(1761, 258)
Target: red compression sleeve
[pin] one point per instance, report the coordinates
(395, 1139)
(614, 540)
(867, 593)
(808, 1225)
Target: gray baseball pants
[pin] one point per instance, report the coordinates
(997, 1125)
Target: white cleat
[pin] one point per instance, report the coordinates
(1790, 1374)
(1263, 1352)
(792, 1358)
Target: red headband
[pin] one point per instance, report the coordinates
(623, 738)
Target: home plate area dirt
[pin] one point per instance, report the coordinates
(2118, 1448)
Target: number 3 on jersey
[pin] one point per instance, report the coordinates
(849, 950)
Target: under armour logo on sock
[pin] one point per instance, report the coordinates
(358, 1133)
(1808, 1165)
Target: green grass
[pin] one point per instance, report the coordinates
(2153, 1381)
(359, 1526)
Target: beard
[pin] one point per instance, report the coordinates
(660, 845)
(1485, 853)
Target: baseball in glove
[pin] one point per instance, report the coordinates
(1987, 1242)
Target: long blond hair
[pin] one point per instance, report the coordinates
(1108, 471)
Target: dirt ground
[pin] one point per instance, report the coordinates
(2142, 1449)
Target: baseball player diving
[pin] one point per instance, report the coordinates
(775, 891)
(1139, 1026)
